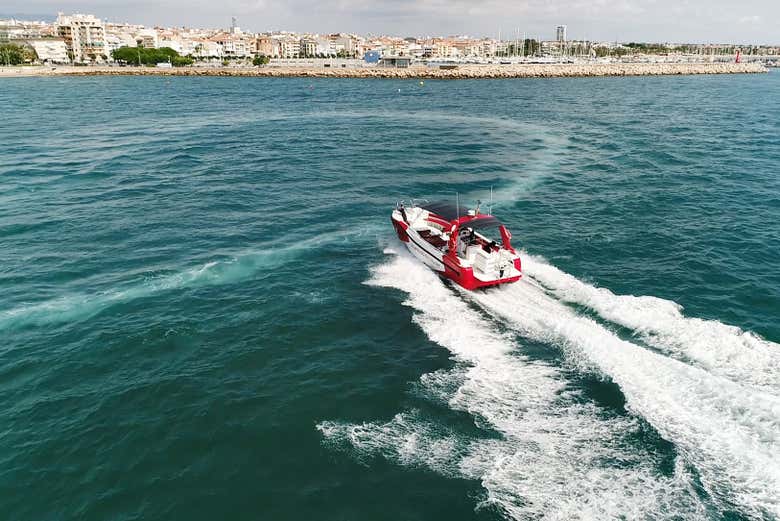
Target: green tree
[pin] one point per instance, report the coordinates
(12, 54)
(181, 61)
(261, 59)
(150, 57)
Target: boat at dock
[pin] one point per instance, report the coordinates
(458, 247)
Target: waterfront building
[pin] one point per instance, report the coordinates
(289, 47)
(488, 47)
(19, 30)
(560, 33)
(372, 57)
(398, 62)
(444, 49)
(121, 35)
(345, 44)
(203, 48)
(84, 36)
(147, 38)
(174, 43)
(50, 50)
(266, 46)
(308, 47)
(233, 45)
(502, 48)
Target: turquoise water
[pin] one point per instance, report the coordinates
(205, 315)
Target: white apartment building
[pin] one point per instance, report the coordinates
(309, 47)
(207, 49)
(289, 48)
(84, 36)
(16, 30)
(325, 46)
(121, 35)
(50, 51)
(234, 46)
(148, 39)
(175, 44)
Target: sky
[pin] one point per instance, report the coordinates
(743, 21)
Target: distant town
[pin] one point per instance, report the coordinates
(85, 39)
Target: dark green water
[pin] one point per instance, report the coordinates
(204, 313)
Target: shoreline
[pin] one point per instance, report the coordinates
(461, 72)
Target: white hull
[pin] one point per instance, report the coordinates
(424, 251)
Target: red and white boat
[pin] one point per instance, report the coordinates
(457, 246)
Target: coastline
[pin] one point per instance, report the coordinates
(461, 72)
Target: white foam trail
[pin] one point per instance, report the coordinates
(557, 457)
(721, 349)
(730, 433)
(408, 439)
(238, 267)
(82, 306)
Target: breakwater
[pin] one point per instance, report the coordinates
(461, 72)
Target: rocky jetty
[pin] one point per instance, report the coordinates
(460, 72)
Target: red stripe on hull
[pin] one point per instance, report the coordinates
(400, 229)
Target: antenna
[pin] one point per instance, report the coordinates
(490, 206)
(457, 204)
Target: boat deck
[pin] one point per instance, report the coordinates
(435, 240)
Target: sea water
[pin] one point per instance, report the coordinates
(204, 312)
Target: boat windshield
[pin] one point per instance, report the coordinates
(487, 227)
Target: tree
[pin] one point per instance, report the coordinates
(141, 55)
(12, 54)
(181, 61)
(261, 59)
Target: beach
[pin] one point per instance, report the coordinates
(459, 72)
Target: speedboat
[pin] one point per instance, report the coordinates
(458, 247)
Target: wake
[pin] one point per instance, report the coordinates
(558, 455)
(720, 349)
(229, 269)
(728, 431)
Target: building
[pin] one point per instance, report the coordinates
(308, 47)
(147, 38)
(560, 33)
(289, 47)
(18, 30)
(397, 62)
(121, 35)
(372, 57)
(205, 49)
(50, 51)
(345, 44)
(266, 46)
(234, 46)
(84, 36)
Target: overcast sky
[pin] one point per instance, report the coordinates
(742, 21)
